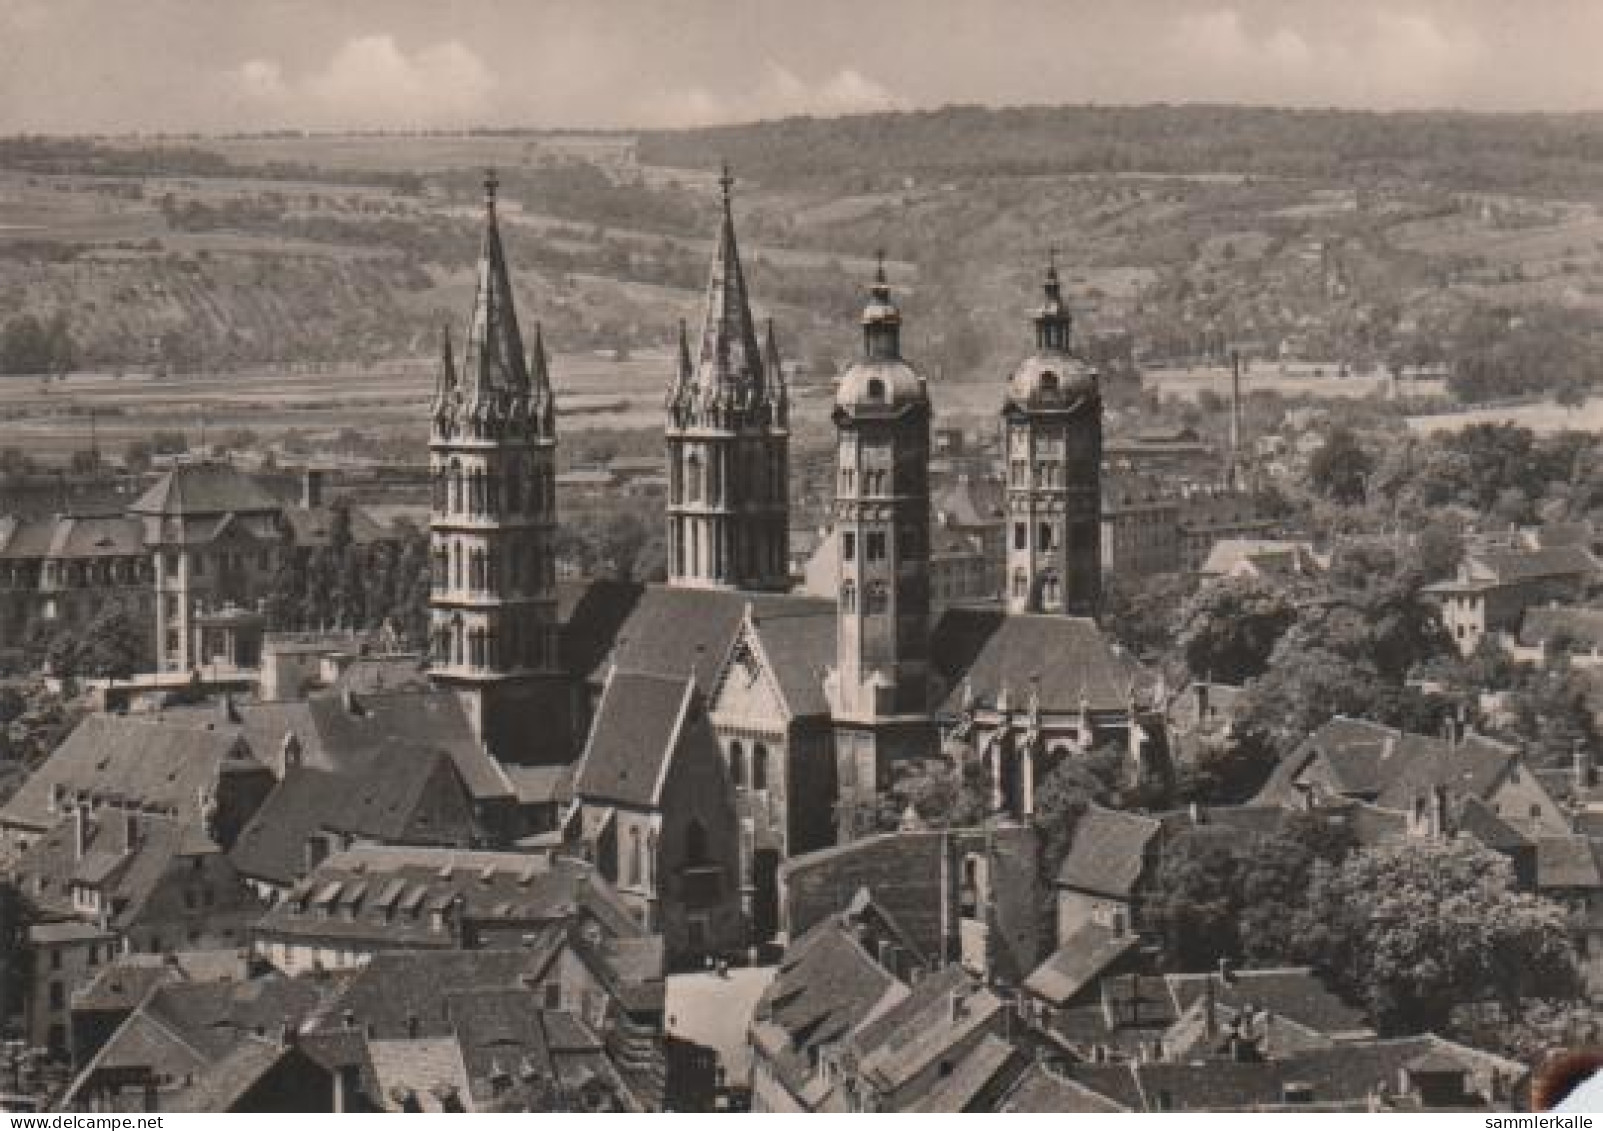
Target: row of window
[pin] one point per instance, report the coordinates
(758, 777)
(481, 647)
(478, 493)
(478, 570)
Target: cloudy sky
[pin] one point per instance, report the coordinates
(126, 65)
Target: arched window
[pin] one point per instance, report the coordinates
(1050, 590)
(759, 766)
(456, 642)
(457, 500)
(696, 844)
(456, 565)
(876, 390)
(1049, 382)
(1021, 584)
(1045, 539)
(737, 765)
(514, 489)
(848, 597)
(877, 599)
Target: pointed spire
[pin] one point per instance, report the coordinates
(728, 367)
(493, 358)
(882, 322)
(1052, 320)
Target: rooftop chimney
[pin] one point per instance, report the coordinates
(312, 488)
(80, 831)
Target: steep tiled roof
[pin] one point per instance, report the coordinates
(1109, 853)
(970, 1077)
(424, 1070)
(638, 726)
(1078, 962)
(1568, 862)
(1067, 660)
(799, 640)
(1508, 566)
(272, 846)
(71, 537)
(393, 893)
(1294, 993)
(942, 1011)
(126, 870)
(361, 726)
(825, 988)
(139, 761)
(203, 489)
(1041, 1090)
(1573, 623)
(1476, 818)
(901, 871)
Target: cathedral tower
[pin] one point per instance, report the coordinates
(492, 456)
(880, 686)
(728, 439)
(1052, 425)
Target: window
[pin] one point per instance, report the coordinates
(848, 597)
(878, 599)
(1021, 584)
(1045, 538)
(55, 960)
(759, 766)
(848, 546)
(874, 546)
(1021, 536)
(737, 764)
(876, 390)
(634, 869)
(58, 995)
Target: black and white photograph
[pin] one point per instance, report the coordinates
(936, 556)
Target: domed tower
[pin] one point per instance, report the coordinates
(1052, 424)
(492, 456)
(728, 440)
(880, 686)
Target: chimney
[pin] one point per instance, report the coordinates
(311, 488)
(1581, 762)
(131, 831)
(80, 831)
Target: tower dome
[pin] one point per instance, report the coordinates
(881, 381)
(1052, 377)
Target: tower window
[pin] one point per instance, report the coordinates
(848, 480)
(878, 598)
(1021, 536)
(1021, 584)
(848, 597)
(1046, 536)
(874, 546)
(1049, 382)
(759, 766)
(848, 546)
(876, 390)
(737, 764)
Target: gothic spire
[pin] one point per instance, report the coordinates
(493, 358)
(446, 384)
(729, 364)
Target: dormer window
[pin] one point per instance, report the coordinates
(876, 391)
(1049, 382)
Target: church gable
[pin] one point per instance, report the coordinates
(746, 691)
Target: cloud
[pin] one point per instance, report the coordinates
(779, 93)
(1382, 57)
(371, 82)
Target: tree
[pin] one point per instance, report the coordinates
(116, 643)
(1229, 628)
(1141, 613)
(1416, 927)
(1339, 470)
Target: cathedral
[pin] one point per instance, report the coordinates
(795, 716)
(687, 737)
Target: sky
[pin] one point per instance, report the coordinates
(121, 66)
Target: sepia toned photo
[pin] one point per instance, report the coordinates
(652, 556)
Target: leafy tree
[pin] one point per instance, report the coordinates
(1340, 469)
(114, 644)
(1141, 613)
(1229, 628)
(1415, 927)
